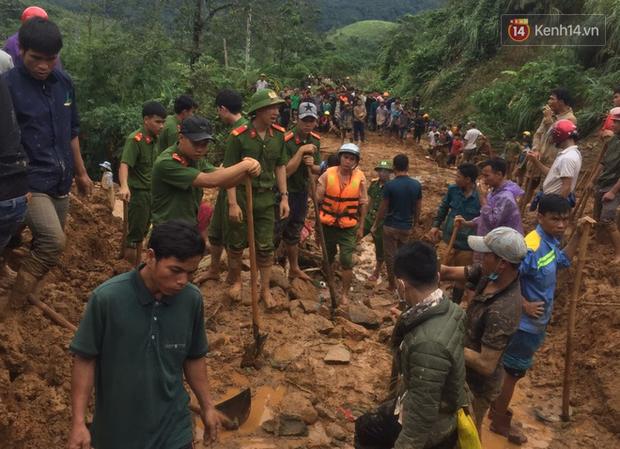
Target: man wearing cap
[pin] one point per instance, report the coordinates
(184, 106)
(262, 140)
(607, 187)
(375, 196)
(181, 172)
(45, 106)
(302, 146)
(134, 174)
(561, 177)
(342, 192)
(494, 312)
(262, 82)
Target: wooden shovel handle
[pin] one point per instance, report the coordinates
(249, 214)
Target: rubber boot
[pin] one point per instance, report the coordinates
(25, 284)
(502, 425)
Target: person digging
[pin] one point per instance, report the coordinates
(262, 140)
(343, 196)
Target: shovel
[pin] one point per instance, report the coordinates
(319, 229)
(252, 352)
(455, 230)
(236, 409)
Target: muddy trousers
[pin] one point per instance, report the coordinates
(393, 239)
(264, 222)
(217, 226)
(139, 216)
(46, 219)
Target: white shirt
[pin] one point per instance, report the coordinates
(567, 164)
(470, 138)
(6, 62)
(262, 84)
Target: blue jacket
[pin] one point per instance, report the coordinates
(48, 118)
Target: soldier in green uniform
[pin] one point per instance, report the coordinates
(181, 173)
(228, 103)
(134, 175)
(184, 106)
(302, 148)
(263, 140)
(375, 196)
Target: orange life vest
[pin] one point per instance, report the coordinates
(340, 207)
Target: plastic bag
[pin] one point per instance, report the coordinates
(467, 431)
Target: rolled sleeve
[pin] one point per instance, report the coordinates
(363, 191)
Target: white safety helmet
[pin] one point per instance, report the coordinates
(350, 148)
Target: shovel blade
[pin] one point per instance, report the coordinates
(237, 408)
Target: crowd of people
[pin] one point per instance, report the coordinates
(143, 332)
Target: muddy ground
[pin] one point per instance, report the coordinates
(294, 380)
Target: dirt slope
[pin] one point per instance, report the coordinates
(35, 364)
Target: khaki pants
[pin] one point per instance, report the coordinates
(46, 219)
(393, 239)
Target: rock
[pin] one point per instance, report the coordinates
(336, 432)
(309, 306)
(217, 341)
(285, 354)
(279, 278)
(325, 413)
(351, 330)
(385, 334)
(322, 325)
(317, 437)
(360, 314)
(290, 426)
(296, 405)
(269, 426)
(337, 355)
(303, 290)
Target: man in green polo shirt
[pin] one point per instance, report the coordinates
(184, 106)
(262, 140)
(140, 333)
(181, 173)
(302, 146)
(228, 103)
(134, 174)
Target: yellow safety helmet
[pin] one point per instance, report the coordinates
(526, 134)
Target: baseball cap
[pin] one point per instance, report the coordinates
(615, 113)
(106, 165)
(504, 242)
(196, 128)
(307, 109)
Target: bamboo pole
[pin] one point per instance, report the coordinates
(572, 311)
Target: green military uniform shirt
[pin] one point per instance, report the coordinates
(139, 153)
(170, 133)
(173, 195)
(140, 345)
(298, 181)
(270, 153)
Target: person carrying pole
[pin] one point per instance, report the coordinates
(262, 140)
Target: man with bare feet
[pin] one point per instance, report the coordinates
(343, 194)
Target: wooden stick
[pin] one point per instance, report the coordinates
(329, 275)
(572, 311)
(121, 252)
(249, 213)
(455, 230)
(51, 313)
(529, 181)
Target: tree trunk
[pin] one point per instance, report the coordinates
(248, 39)
(225, 54)
(197, 33)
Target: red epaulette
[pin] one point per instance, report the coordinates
(315, 135)
(279, 128)
(237, 131)
(180, 159)
(288, 136)
(138, 137)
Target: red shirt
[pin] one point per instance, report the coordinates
(608, 125)
(457, 147)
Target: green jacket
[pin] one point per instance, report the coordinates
(431, 367)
